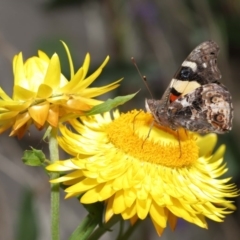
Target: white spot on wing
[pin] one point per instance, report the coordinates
(184, 102)
(190, 64)
(174, 80)
(185, 87)
(204, 65)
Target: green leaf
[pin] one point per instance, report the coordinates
(96, 210)
(105, 228)
(27, 222)
(89, 223)
(34, 157)
(110, 104)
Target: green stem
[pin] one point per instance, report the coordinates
(130, 230)
(54, 156)
(104, 228)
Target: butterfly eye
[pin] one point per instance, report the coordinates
(185, 73)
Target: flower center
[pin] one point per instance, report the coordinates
(135, 134)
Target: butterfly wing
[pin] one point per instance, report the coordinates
(199, 68)
(195, 99)
(207, 109)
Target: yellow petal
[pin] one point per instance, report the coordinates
(158, 214)
(109, 210)
(68, 177)
(158, 228)
(22, 94)
(6, 126)
(143, 207)
(21, 130)
(39, 113)
(69, 59)
(53, 115)
(119, 204)
(206, 144)
(21, 120)
(44, 91)
(73, 83)
(85, 184)
(52, 77)
(106, 192)
(93, 92)
(93, 76)
(129, 213)
(18, 69)
(14, 106)
(134, 219)
(4, 96)
(85, 66)
(8, 115)
(91, 196)
(77, 105)
(172, 220)
(61, 166)
(43, 56)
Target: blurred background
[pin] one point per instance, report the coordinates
(159, 35)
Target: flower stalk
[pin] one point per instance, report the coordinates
(55, 198)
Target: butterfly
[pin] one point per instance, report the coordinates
(195, 99)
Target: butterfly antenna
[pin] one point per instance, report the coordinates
(141, 76)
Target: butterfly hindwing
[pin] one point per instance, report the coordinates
(207, 109)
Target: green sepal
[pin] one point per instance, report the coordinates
(27, 226)
(34, 157)
(46, 134)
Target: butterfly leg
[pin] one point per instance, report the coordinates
(150, 129)
(186, 133)
(179, 143)
(135, 119)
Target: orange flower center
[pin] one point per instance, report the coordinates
(132, 133)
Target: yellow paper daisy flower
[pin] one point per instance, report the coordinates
(42, 94)
(165, 176)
